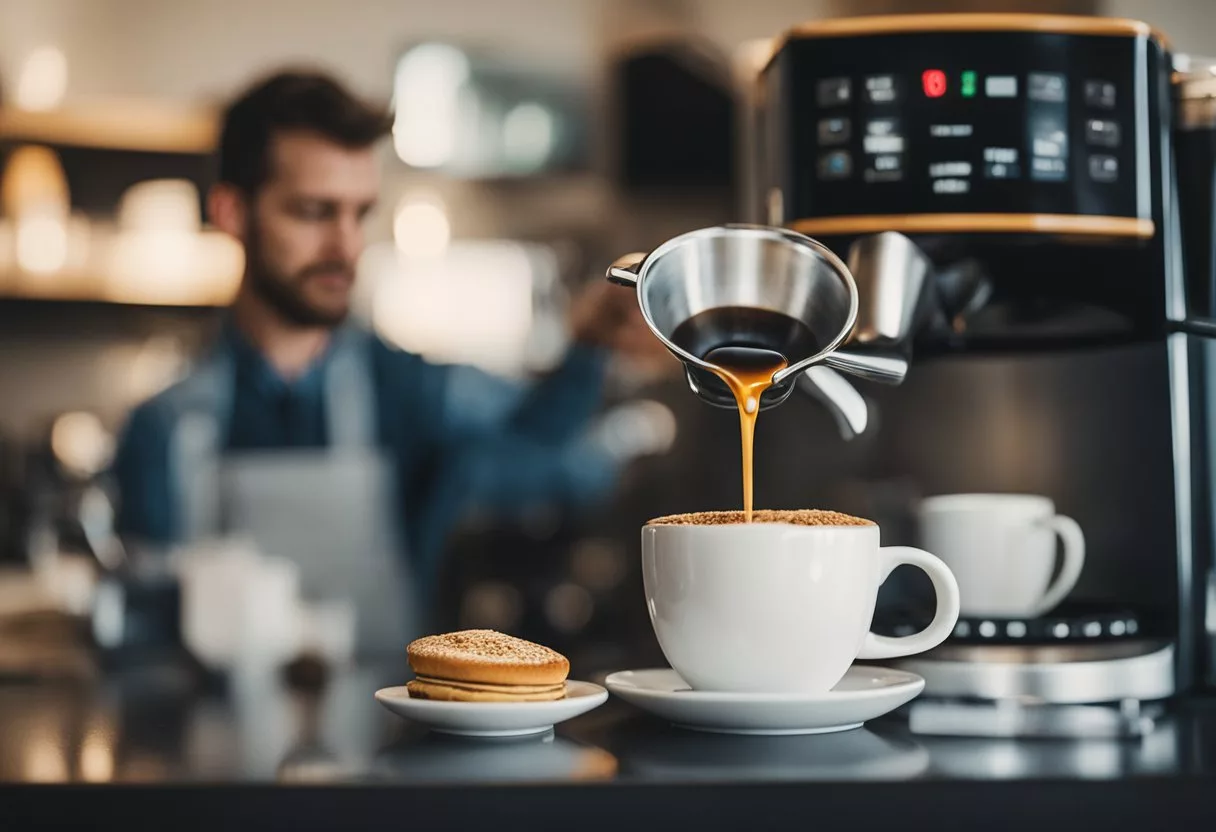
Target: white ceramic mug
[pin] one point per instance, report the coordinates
(1002, 550)
(778, 608)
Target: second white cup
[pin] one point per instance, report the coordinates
(1002, 550)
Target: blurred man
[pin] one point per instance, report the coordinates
(309, 433)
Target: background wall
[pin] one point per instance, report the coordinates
(202, 50)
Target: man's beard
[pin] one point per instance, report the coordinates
(285, 294)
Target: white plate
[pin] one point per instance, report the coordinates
(493, 719)
(863, 694)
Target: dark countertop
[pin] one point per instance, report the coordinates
(262, 754)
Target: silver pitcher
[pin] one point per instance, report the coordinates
(860, 315)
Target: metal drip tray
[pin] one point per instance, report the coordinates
(954, 718)
(1047, 690)
(1049, 673)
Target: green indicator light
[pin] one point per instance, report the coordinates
(967, 89)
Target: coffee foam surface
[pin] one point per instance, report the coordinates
(795, 517)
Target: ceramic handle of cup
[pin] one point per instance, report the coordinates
(944, 587)
(1074, 558)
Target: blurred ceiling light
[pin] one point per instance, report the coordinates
(80, 237)
(44, 760)
(43, 80)
(173, 268)
(420, 227)
(159, 255)
(81, 443)
(472, 305)
(161, 205)
(528, 136)
(34, 181)
(6, 250)
(42, 243)
(427, 89)
(35, 195)
(97, 757)
(166, 256)
(156, 250)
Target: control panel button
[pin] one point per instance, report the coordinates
(1001, 163)
(886, 168)
(951, 186)
(934, 82)
(1048, 170)
(888, 163)
(833, 92)
(1001, 170)
(1102, 132)
(883, 144)
(837, 164)
(946, 169)
(880, 89)
(951, 131)
(1046, 86)
(1103, 168)
(834, 130)
(1100, 94)
(883, 136)
(1001, 86)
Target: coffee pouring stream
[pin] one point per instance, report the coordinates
(772, 289)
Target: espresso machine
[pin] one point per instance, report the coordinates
(1009, 194)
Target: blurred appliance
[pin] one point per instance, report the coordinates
(471, 114)
(1057, 345)
(1195, 149)
(674, 117)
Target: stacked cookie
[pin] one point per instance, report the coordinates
(485, 666)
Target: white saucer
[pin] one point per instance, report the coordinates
(863, 694)
(660, 752)
(493, 719)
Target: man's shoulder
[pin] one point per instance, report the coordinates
(197, 391)
(385, 350)
(159, 413)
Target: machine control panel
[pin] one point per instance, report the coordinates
(1020, 122)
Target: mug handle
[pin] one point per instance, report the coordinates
(944, 587)
(1074, 558)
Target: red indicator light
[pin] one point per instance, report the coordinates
(934, 82)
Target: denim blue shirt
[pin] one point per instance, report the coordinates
(458, 437)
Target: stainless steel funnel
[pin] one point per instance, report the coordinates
(743, 266)
(763, 268)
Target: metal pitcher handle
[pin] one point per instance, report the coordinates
(624, 269)
(847, 406)
(884, 367)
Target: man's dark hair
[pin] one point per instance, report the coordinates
(291, 100)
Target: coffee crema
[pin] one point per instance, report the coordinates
(793, 517)
(745, 348)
